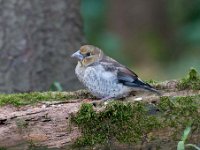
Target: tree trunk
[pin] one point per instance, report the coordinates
(37, 38)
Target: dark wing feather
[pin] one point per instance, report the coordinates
(129, 78)
(125, 75)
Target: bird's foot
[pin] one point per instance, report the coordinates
(103, 101)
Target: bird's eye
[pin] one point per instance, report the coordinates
(88, 54)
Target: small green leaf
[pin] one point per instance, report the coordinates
(181, 145)
(192, 145)
(186, 133)
(56, 86)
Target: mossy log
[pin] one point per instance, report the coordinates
(64, 119)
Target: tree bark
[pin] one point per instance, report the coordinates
(37, 38)
(43, 125)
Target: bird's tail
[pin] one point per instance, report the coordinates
(151, 89)
(144, 86)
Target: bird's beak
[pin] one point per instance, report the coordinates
(77, 55)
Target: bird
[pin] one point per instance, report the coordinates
(104, 77)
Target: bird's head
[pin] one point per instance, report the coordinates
(88, 54)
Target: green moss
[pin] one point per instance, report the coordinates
(192, 81)
(152, 82)
(180, 112)
(131, 122)
(120, 121)
(155, 84)
(35, 97)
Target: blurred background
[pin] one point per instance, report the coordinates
(158, 39)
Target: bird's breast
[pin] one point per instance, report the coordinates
(99, 82)
(80, 71)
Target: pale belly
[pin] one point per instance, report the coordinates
(102, 84)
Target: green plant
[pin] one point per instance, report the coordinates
(181, 144)
(56, 86)
(192, 81)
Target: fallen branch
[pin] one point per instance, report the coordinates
(47, 123)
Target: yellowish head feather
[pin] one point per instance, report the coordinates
(91, 54)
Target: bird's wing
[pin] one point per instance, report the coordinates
(125, 76)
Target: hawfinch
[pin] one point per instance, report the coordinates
(104, 77)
